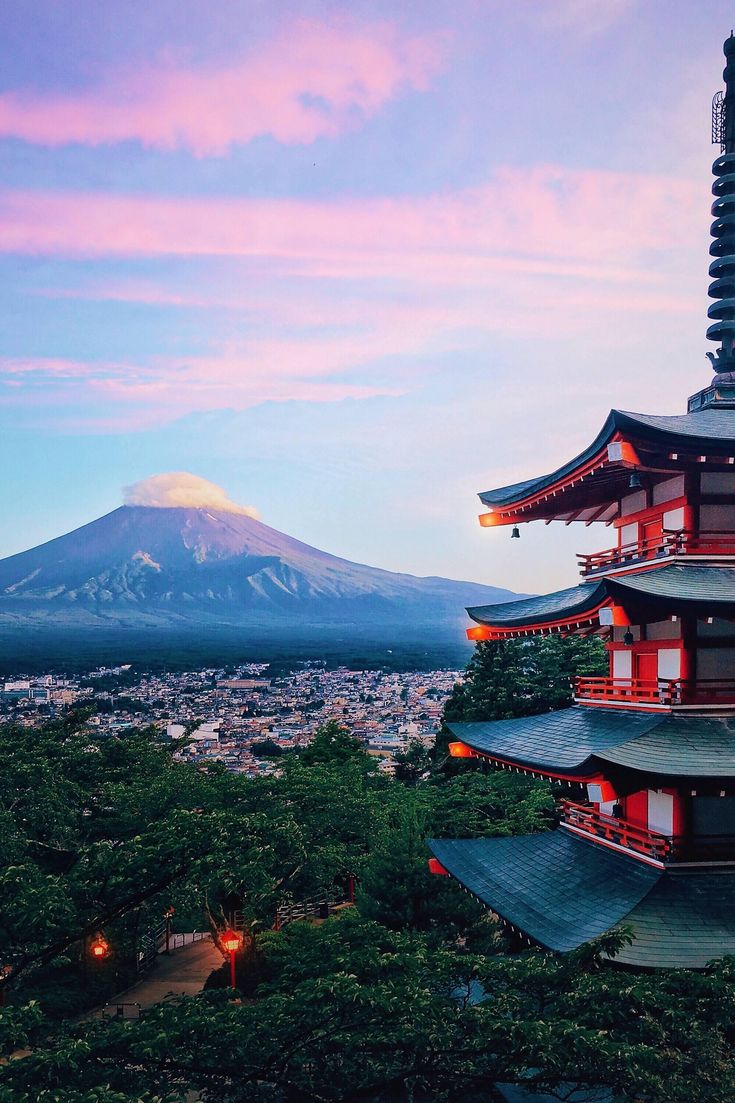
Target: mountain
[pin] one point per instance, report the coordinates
(144, 566)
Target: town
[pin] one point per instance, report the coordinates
(244, 717)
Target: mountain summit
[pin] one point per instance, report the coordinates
(150, 566)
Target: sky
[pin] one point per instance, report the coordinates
(352, 262)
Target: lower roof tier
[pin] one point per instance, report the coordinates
(674, 587)
(583, 742)
(563, 891)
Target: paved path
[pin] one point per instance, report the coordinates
(181, 973)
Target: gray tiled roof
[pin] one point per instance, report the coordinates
(563, 891)
(679, 746)
(562, 741)
(687, 920)
(675, 583)
(707, 431)
(557, 888)
(582, 740)
(682, 582)
(529, 610)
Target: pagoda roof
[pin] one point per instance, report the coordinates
(562, 891)
(709, 432)
(675, 584)
(581, 742)
(555, 887)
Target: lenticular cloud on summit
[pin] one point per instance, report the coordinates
(181, 490)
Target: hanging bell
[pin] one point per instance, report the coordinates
(628, 639)
(635, 481)
(515, 534)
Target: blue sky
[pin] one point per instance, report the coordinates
(352, 262)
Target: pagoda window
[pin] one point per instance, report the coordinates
(628, 534)
(719, 517)
(673, 519)
(661, 811)
(669, 663)
(713, 816)
(622, 664)
(633, 503)
(717, 482)
(668, 490)
(664, 630)
(715, 662)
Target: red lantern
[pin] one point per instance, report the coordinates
(99, 947)
(231, 941)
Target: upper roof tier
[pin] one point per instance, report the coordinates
(599, 475)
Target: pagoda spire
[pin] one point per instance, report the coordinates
(722, 249)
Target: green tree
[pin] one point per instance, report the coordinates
(520, 677)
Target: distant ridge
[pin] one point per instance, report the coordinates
(183, 568)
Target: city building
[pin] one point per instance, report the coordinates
(647, 752)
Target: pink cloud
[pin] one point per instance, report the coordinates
(311, 80)
(547, 215)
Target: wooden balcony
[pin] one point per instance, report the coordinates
(660, 693)
(651, 844)
(640, 840)
(680, 542)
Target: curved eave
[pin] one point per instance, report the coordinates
(578, 489)
(542, 610)
(556, 888)
(559, 744)
(578, 743)
(668, 588)
(561, 891)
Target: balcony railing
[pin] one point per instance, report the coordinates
(663, 692)
(652, 844)
(668, 543)
(614, 830)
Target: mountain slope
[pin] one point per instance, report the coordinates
(142, 565)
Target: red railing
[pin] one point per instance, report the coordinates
(666, 544)
(613, 830)
(661, 691)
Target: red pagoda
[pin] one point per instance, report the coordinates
(648, 842)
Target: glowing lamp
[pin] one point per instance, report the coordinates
(435, 866)
(491, 520)
(99, 948)
(460, 750)
(481, 632)
(622, 451)
(231, 941)
(614, 616)
(601, 792)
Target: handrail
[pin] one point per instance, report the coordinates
(641, 840)
(618, 831)
(668, 542)
(659, 691)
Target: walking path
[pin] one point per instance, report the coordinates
(181, 973)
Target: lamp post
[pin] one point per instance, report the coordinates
(167, 917)
(231, 941)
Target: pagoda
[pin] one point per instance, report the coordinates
(647, 753)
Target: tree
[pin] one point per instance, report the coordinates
(520, 677)
(333, 744)
(350, 1011)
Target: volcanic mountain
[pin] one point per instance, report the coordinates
(147, 566)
